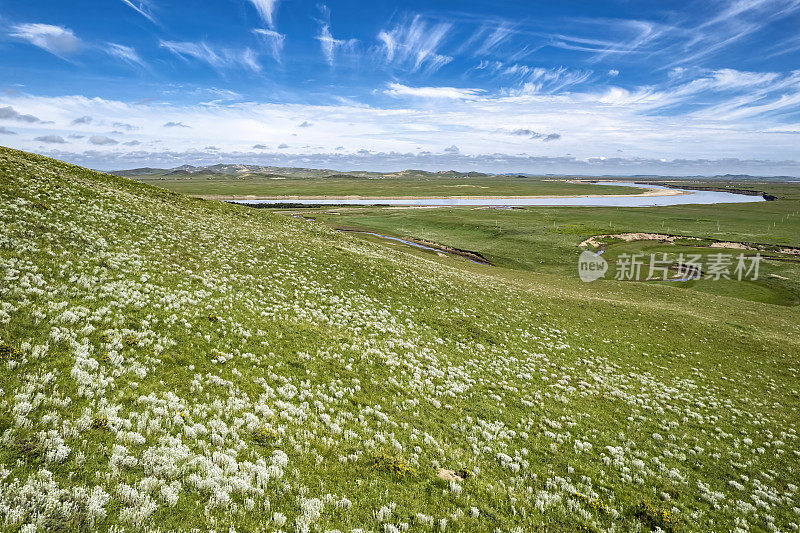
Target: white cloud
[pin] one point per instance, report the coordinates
(51, 139)
(124, 53)
(552, 80)
(544, 137)
(273, 40)
(415, 45)
(494, 39)
(57, 40)
(452, 93)
(633, 36)
(143, 7)
(721, 94)
(222, 58)
(500, 125)
(266, 10)
(686, 40)
(102, 140)
(329, 45)
(9, 113)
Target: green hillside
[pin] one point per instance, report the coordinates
(178, 364)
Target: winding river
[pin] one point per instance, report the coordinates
(650, 199)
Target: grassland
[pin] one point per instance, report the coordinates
(393, 186)
(179, 364)
(546, 239)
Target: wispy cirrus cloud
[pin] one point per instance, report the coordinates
(57, 40)
(724, 94)
(753, 94)
(272, 40)
(124, 53)
(536, 80)
(143, 7)
(554, 79)
(786, 46)
(633, 37)
(733, 24)
(686, 40)
(487, 39)
(218, 58)
(414, 44)
(330, 45)
(266, 10)
(531, 79)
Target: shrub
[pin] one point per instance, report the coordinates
(27, 448)
(465, 473)
(130, 340)
(8, 352)
(99, 422)
(594, 503)
(398, 466)
(655, 517)
(265, 436)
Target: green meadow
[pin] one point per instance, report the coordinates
(179, 364)
(546, 239)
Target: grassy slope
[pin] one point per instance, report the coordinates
(158, 335)
(386, 187)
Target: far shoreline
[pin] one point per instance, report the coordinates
(252, 197)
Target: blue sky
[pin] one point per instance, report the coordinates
(571, 87)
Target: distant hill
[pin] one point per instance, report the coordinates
(235, 169)
(293, 172)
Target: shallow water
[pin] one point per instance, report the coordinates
(415, 244)
(692, 197)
